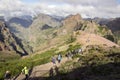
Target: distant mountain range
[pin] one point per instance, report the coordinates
(101, 21)
(112, 23)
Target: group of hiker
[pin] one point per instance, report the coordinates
(71, 53)
(58, 58)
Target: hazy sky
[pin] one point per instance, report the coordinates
(87, 8)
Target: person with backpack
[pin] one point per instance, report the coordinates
(26, 72)
(59, 58)
(7, 75)
(53, 60)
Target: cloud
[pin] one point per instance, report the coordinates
(87, 8)
(10, 8)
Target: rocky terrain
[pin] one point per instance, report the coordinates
(9, 42)
(44, 29)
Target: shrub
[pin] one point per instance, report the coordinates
(70, 39)
(110, 37)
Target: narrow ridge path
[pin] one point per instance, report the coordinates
(40, 70)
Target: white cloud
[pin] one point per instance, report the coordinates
(87, 8)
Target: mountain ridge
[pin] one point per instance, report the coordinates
(45, 29)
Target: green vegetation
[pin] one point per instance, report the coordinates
(70, 39)
(7, 56)
(101, 64)
(110, 37)
(73, 47)
(117, 37)
(106, 33)
(16, 64)
(100, 29)
(95, 64)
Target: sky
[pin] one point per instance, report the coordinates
(86, 8)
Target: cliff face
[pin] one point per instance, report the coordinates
(9, 42)
(6, 38)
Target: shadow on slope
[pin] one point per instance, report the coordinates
(110, 71)
(19, 42)
(23, 22)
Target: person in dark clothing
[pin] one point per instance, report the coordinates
(56, 70)
(51, 73)
(7, 75)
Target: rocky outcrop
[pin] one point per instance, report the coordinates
(72, 21)
(6, 38)
(75, 22)
(9, 42)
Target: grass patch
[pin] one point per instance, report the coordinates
(97, 65)
(15, 65)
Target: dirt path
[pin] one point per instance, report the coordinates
(40, 70)
(93, 39)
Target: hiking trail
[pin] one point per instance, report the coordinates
(40, 70)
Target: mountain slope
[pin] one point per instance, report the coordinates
(36, 31)
(9, 42)
(93, 39)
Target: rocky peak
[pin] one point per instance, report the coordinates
(72, 21)
(75, 17)
(71, 18)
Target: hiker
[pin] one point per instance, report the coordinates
(51, 72)
(56, 70)
(59, 58)
(53, 60)
(26, 72)
(73, 52)
(7, 75)
(69, 55)
(80, 51)
(66, 55)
